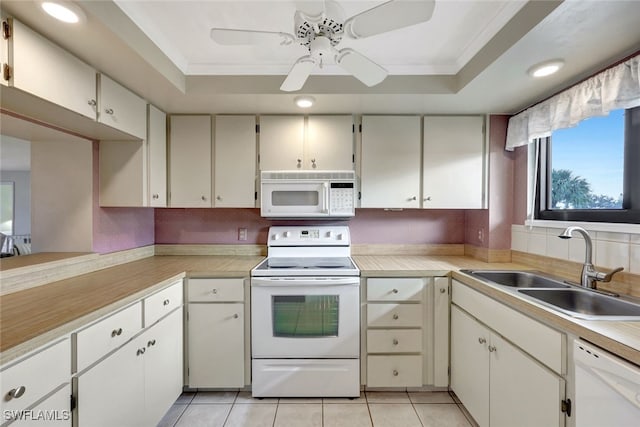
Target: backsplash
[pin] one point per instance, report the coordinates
(610, 250)
(373, 226)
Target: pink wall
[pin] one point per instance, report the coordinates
(494, 224)
(117, 229)
(206, 226)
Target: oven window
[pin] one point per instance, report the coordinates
(295, 198)
(305, 316)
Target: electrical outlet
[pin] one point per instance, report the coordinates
(481, 235)
(242, 234)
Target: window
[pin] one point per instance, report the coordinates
(590, 172)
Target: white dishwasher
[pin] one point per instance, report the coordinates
(607, 388)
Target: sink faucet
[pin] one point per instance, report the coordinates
(589, 275)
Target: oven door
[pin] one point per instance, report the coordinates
(308, 317)
(294, 199)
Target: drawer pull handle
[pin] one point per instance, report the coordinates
(214, 291)
(395, 341)
(395, 373)
(92, 102)
(482, 340)
(395, 291)
(116, 332)
(395, 317)
(151, 343)
(166, 302)
(492, 348)
(109, 111)
(17, 392)
(235, 316)
(141, 351)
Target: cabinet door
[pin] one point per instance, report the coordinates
(281, 142)
(390, 170)
(57, 406)
(190, 161)
(470, 365)
(235, 162)
(157, 157)
(453, 162)
(522, 392)
(441, 332)
(163, 366)
(49, 72)
(329, 143)
(216, 345)
(112, 392)
(122, 109)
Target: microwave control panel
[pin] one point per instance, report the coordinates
(342, 198)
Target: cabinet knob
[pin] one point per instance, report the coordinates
(395, 317)
(108, 111)
(203, 198)
(235, 316)
(395, 291)
(116, 332)
(482, 340)
(151, 343)
(218, 198)
(92, 102)
(395, 341)
(166, 302)
(299, 165)
(140, 351)
(427, 199)
(214, 291)
(395, 373)
(492, 349)
(156, 196)
(412, 198)
(313, 163)
(17, 392)
(443, 290)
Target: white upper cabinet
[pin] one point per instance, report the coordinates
(157, 156)
(329, 143)
(190, 161)
(47, 71)
(281, 142)
(453, 162)
(390, 169)
(235, 161)
(312, 143)
(121, 108)
(4, 56)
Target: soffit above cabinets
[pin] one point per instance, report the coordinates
(471, 57)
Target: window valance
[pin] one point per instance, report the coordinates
(615, 88)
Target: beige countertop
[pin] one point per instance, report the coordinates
(32, 317)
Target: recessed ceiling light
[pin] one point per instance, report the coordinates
(63, 11)
(546, 68)
(305, 101)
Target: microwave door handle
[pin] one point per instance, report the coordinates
(325, 197)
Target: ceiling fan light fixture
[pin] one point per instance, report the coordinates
(546, 68)
(63, 11)
(304, 101)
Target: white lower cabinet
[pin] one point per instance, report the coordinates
(498, 382)
(407, 336)
(136, 384)
(216, 333)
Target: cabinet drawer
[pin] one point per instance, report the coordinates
(394, 315)
(162, 303)
(106, 335)
(389, 289)
(394, 341)
(36, 376)
(394, 371)
(216, 290)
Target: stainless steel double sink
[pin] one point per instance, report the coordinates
(569, 299)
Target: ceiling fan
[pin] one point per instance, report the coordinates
(321, 32)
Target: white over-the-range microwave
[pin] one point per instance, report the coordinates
(307, 194)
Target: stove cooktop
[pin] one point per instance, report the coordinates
(306, 266)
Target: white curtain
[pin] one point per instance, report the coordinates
(615, 88)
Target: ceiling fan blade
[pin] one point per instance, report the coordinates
(298, 74)
(227, 36)
(389, 16)
(361, 67)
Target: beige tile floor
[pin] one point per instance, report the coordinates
(371, 409)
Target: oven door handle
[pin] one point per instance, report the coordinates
(287, 283)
